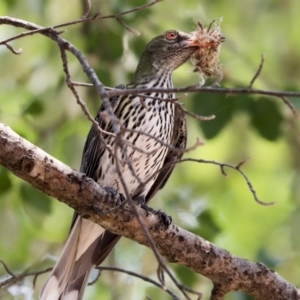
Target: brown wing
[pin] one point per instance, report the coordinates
(93, 150)
(179, 142)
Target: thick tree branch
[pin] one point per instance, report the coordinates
(52, 177)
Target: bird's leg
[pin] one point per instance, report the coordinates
(140, 200)
(166, 220)
(114, 194)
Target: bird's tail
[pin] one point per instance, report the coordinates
(88, 245)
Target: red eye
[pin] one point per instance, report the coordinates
(171, 35)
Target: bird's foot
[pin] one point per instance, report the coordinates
(140, 200)
(166, 219)
(114, 194)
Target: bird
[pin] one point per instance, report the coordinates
(155, 133)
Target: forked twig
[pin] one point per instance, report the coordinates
(18, 277)
(235, 167)
(145, 278)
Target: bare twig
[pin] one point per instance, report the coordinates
(197, 117)
(83, 19)
(209, 89)
(6, 268)
(88, 6)
(136, 9)
(222, 169)
(213, 90)
(235, 167)
(257, 72)
(19, 277)
(80, 101)
(85, 84)
(145, 278)
(15, 278)
(14, 51)
(290, 106)
(134, 31)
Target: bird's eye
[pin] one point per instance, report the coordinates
(172, 35)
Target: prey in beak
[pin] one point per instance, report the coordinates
(208, 40)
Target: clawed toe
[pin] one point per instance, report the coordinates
(166, 219)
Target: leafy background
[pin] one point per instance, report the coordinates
(35, 102)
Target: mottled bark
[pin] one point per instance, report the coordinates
(54, 178)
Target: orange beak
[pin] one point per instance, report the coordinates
(193, 42)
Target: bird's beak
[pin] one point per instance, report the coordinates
(192, 42)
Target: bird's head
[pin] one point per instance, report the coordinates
(167, 51)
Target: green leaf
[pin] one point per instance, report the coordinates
(208, 228)
(36, 204)
(34, 108)
(186, 276)
(266, 118)
(208, 104)
(5, 181)
(266, 258)
(11, 3)
(106, 43)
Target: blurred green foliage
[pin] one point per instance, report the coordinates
(36, 103)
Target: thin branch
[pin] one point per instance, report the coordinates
(19, 277)
(14, 51)
(38, 29)
(257, 73)
(85, 84)
(197, 117)
(145, 278)
(88, 6)
(138, 8)
(209, 89)
(222, 169)
(80, 101)
(235, 167)
(213, 90)
(290, 106)
(134, 31)
(83, 19)
(6, 269)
